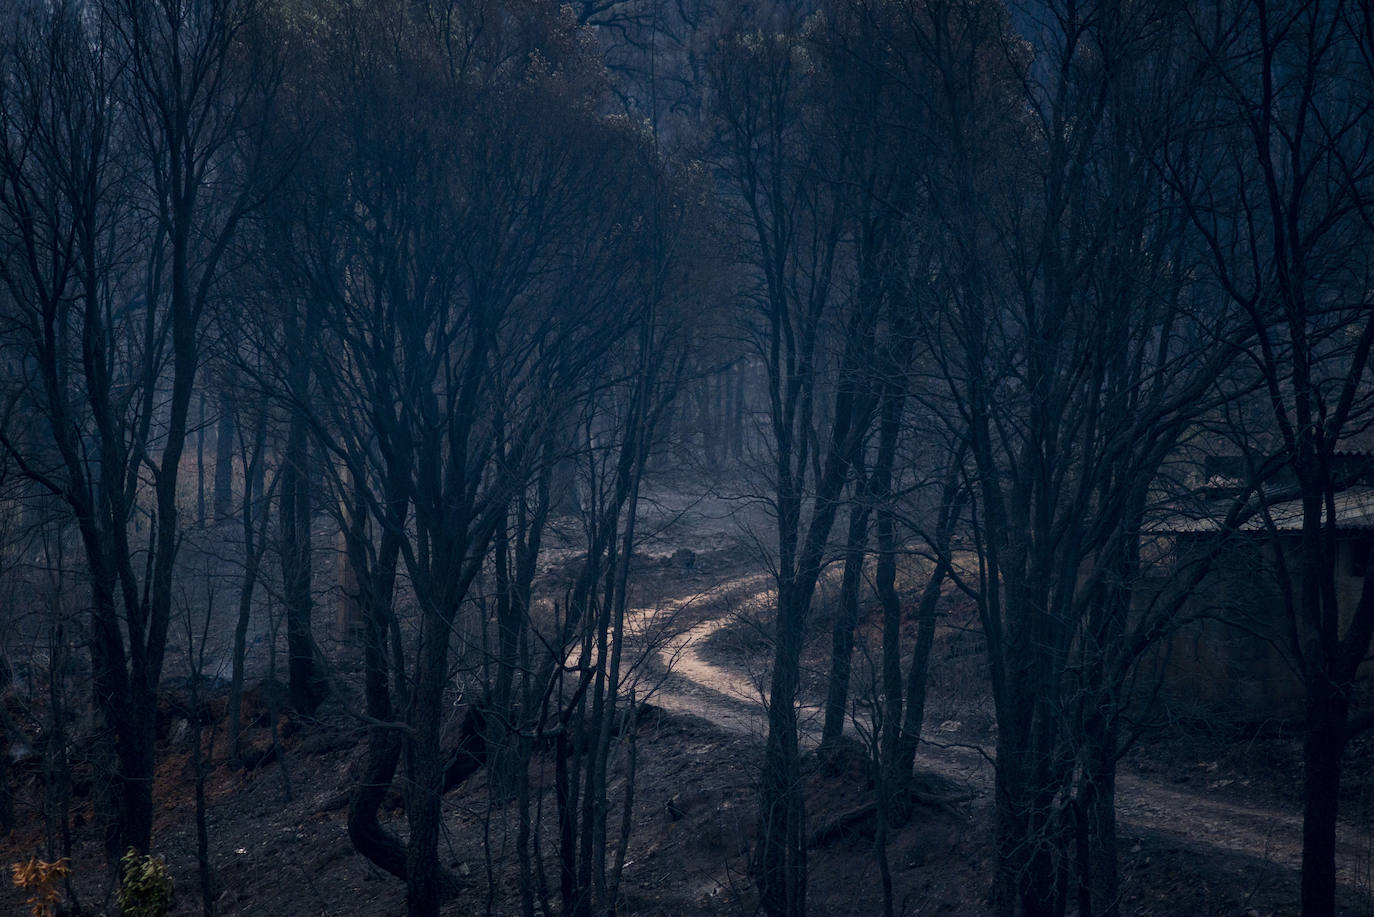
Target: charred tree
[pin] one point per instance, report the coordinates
(1286, 210)
(116, 237)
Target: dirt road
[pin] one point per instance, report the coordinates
(733, 699)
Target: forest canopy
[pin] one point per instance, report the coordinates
(375, 335)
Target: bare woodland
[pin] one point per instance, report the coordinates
(354, 355)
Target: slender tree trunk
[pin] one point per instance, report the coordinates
(1029, 835)
(224, 457)
(254, 544)
(627, 805)
(200, 459)
(885, 794)
(846, 619)
(56, 763)
(565, 784)
(425, 769)
(304, 683)
(1095, 821)
(294, 512)
(245, 614)
(524, 833)
(136, 758)
(514, 588)
(369, 838)
(913, 716)
(952, 497)
(130, 783)
(737, 420)
(781, 865)
(6, 794)
(204, 871)
(638, 438)
(885, 582)
(1323, 747)
(502, 733)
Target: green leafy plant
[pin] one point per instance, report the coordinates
(146, 887)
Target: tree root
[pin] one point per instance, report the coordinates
(862, 820)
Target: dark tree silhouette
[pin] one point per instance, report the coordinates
(129, 139)
(1279, 180)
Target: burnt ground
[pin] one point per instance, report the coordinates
(1209, 811)
(1209, 817)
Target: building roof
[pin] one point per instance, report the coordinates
(1354, 508)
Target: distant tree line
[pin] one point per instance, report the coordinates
(973, 283)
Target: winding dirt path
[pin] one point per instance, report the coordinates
(733, 700)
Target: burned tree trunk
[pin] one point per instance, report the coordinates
(305, 685)
(846, 617)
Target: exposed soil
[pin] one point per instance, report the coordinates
(1209, 822)
(1218, 804)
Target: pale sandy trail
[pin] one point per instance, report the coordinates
(733, 700)
(726, 697)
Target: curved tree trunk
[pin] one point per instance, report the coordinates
(376, 586)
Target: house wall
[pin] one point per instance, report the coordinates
(1229, 658)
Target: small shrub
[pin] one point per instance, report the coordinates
(146, 888)
(40, 878)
